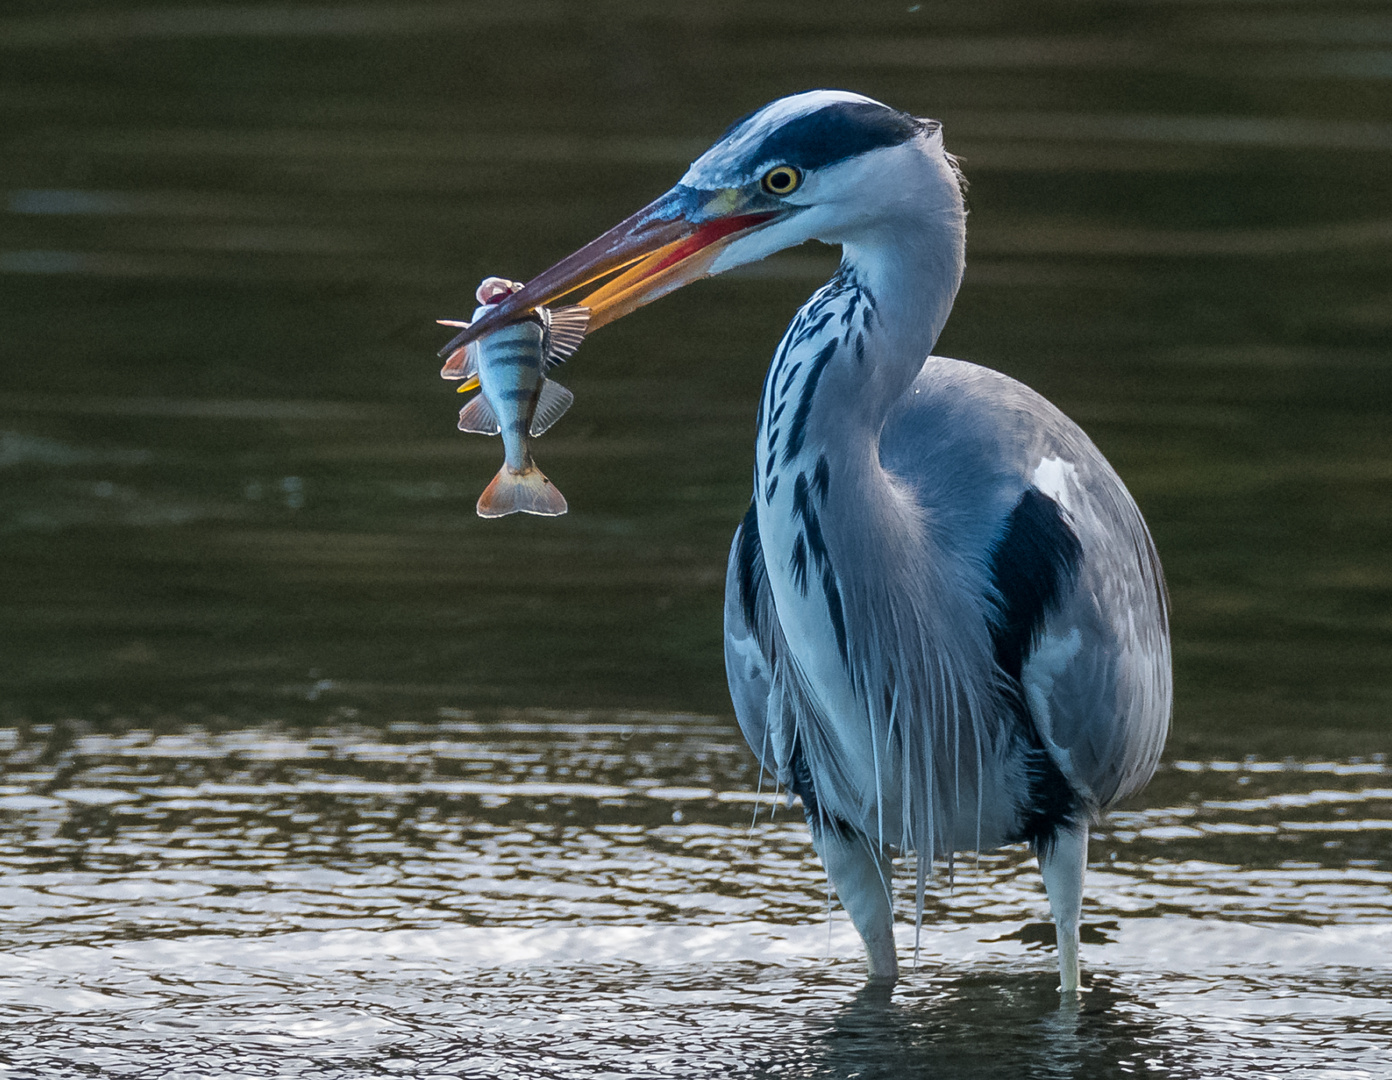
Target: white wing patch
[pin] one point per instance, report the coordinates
(1045, 664)
(1055, 478)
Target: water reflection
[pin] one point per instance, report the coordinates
(953, 1029)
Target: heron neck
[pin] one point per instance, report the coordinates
(913, 270)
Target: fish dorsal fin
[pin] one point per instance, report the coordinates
(552, 403)
(477, 416)
(462, 363)
(565, 330)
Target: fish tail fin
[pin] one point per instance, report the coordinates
(527, 491)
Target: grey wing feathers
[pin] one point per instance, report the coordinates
(749, 618)
(1099, 680)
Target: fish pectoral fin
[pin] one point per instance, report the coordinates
(478, 416)
(565, 330)
(471, 384)
(462, 363)
(552, 402)
(526, 492)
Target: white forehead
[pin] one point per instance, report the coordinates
(712, 167)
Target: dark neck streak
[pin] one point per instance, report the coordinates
(836, 322)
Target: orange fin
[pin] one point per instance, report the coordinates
(478, 416)
(527, 492)
(462, 363)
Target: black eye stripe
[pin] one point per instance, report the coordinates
(834, 133)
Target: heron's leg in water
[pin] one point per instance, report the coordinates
(860, 874)
(1063, 866)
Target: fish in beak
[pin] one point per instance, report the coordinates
(667, 244)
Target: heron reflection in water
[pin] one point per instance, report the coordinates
(945, 621)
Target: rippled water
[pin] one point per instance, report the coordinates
(552, 894)
(276, 797)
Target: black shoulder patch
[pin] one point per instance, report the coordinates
(751, 572)
(1050, 805)
(836, 132)
(1033, 564)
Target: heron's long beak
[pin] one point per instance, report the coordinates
(667, 244)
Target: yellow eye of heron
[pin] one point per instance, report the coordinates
(782, 180)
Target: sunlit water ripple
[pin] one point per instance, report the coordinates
(566, 895)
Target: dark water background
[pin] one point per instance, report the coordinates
(307, 768)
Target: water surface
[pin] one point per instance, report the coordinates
(570, 894)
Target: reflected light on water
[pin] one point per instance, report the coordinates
(561, 894)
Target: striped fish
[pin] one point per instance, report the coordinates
(516, 399)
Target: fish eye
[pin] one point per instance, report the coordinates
(781, 180)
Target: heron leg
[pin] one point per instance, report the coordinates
(860, 873)
(1063, 864)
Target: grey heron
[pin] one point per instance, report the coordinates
(946, 625)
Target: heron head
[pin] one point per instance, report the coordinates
(827, 165)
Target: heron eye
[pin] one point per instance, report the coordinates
(782, 180)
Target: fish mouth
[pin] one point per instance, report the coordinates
(669, 243)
